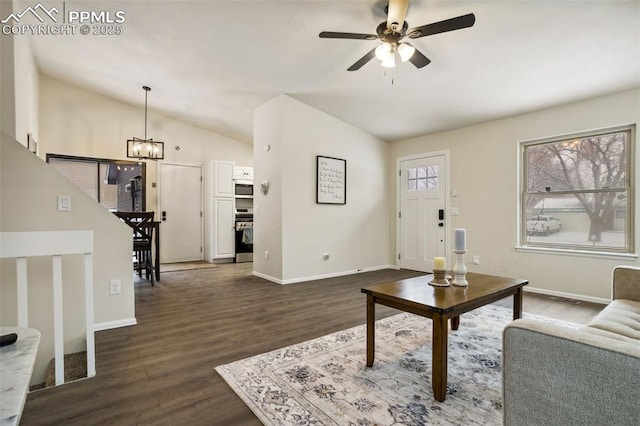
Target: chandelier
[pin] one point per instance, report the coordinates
(147, 148)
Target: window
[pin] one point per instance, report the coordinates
(423, 178)
(117, 185)
(577, 192)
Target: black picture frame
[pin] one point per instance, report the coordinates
(331, 180)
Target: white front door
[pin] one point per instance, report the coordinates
(422, 226)
(180, 213)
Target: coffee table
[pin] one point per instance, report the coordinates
(440, 304)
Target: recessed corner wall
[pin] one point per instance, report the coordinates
(355, 235)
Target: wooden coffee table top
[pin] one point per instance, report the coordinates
(418, 293)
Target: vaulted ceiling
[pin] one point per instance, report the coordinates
(211, 63)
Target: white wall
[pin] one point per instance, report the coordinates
(27, 91)
(74, 121)
(78, 122)
(7, 78)
(484, 171)
(268, 133)
(29, 189)
(290, 225)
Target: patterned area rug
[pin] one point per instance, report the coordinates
(325, 381)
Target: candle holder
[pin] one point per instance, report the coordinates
(460, 270)
(439, 279)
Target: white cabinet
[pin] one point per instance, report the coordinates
(243, 173)
(224, 215)
(220, 210)
(223, 178)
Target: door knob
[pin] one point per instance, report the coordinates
(441, 224)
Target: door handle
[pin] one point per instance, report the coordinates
(441, 214)
(164, 216)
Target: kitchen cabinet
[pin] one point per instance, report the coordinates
(220, 211)
(223, 178)
(224, 232)
(243, 173)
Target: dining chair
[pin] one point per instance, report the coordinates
(142, 225)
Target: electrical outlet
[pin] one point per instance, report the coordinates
(476, 260)
(115, 287)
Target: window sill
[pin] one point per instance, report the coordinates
(580, 253)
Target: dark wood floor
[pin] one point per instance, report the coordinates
(162, 370)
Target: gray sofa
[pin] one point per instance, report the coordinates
(555, 375)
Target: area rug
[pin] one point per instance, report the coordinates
(325, 381)
(186, 266)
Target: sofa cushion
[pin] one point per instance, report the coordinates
(621, 317)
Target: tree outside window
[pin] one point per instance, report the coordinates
(577, 192)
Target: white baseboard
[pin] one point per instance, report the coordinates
(114, 324)
(574, 296)
(267, 277)
(323, 276)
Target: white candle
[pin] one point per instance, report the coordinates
(460, 239)
(439, 263)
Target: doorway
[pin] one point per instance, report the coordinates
(180, 207)
(422, 206)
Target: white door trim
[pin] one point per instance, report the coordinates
(159, 196)
(447, 192)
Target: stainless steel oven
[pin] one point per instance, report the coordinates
(244, 240)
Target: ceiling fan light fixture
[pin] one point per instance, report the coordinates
(384, 51)
(405, 51)
(389, 62)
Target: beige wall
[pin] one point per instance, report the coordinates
(7, 79)
(27, 91)
(290, 225)
(29, 189)
(268, 130)
(74, 121)
(484, 172)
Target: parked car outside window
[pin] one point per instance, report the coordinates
(544, 225)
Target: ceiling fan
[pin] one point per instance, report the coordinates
(393, 30)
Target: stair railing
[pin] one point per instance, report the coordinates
(22, 245)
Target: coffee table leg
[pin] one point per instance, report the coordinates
(517, 304)
(455, 323)
(371, 329)
(439, 358)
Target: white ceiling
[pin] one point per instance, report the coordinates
(211, 63)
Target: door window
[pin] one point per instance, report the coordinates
(422, 178)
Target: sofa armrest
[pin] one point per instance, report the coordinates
(554, 375)
(626, 283)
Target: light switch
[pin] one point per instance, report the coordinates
(64, 203)
(455, 211)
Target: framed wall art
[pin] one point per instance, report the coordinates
(331, 180)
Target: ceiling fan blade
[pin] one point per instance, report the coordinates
(396, 13)
(353, 36)
(419, 60)
(464, 21)
(366, 58)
